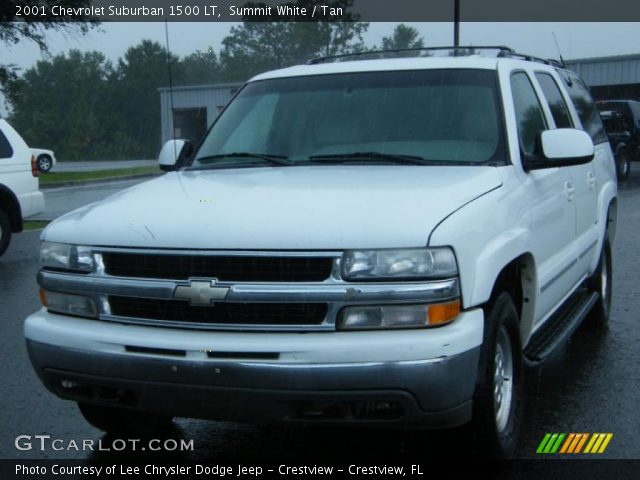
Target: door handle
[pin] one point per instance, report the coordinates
(570, 190)
(591, 180)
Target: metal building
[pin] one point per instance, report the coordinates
(616, 77)
(194, 109)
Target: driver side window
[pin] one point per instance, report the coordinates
(529, 116)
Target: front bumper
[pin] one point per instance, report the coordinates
(406, 378)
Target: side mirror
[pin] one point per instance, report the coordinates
(173, 154)
(560, 148)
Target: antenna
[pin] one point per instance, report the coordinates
(555, 39)
(173, 123)
(456, 23)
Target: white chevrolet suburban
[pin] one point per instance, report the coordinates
(19, 193)
(385, 241)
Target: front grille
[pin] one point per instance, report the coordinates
(224, 268)
(219, 313)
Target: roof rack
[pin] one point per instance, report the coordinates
(531, 58)
(501, 51)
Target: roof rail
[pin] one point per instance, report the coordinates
(501, 51)
(423, 51)
(531, 58)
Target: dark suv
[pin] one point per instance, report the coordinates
(622, 122)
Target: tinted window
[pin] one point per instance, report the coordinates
(589, 116)
(555, 100)
(5, 147)
(529, 116)
(442, 115)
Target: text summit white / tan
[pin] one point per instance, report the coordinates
(383, 241)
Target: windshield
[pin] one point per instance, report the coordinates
(409, 117)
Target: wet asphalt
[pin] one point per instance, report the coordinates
(592, 384)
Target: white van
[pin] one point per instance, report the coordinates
(19, 194)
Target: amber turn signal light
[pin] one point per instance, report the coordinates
(442, 313)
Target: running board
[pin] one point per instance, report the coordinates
(559, 328)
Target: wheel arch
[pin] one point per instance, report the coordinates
(518, 279)
(10, 204)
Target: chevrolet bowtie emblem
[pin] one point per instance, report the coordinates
(200, 292)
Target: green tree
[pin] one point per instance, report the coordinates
(135, 82)
(402, 37)
(199, 68)
(59, 104)
(13, 32)
(255, 47)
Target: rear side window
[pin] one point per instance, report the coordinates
(5, 147)
(555, 100)
(529, 116)
(589, 116)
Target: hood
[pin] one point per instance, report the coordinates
(298, 208)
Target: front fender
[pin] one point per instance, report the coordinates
(486, 235)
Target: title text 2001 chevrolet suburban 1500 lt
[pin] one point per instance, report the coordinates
(381, 241)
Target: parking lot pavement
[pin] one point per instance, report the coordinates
(101, 165)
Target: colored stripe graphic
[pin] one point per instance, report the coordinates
(577, 438)
(543, 443)
(581, 442)
(550, 443)
(557, 444)
(594, 437)
(573, 443)
(567, 443)
(605, 443)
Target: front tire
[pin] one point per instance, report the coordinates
(601, 282)
(44, 163)
(5, 232)
(498, 400)
(119, 420)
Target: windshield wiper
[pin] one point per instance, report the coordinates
(389, 157)
(276, 160)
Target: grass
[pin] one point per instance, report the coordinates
(34, 224)
(64, 177)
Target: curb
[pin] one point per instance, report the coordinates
(76, 183)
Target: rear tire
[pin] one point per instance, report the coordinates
(623, 166)
(119, 420)
(44, 163)
(601, 282)
(5, 232)
(498, 400)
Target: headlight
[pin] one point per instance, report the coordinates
(66, 257)
(406, 264)
(397, 316)
(77, 305)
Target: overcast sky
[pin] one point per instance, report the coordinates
(576, 40)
